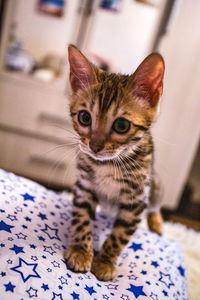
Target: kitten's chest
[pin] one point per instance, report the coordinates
(106, 184)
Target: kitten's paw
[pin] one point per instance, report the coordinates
(103, 268)
(78, 259)
(155, 222)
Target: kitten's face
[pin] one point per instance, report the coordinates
(107, 122)
(108, 111)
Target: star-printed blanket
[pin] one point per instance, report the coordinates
(34, 231)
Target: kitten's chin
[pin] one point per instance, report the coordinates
(99, 156)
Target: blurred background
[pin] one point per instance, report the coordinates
(36, 138)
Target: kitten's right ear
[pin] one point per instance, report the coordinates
(82, 73)
(147, 81)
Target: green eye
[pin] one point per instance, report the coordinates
(84, 118)
(121, 125)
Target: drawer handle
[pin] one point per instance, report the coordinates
(37, 159)
(49, 118)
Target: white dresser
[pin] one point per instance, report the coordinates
(34, 117)
(35, 130)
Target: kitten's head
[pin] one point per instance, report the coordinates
(111, 112)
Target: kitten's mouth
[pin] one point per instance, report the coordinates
(97, 156)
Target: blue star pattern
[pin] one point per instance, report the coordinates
(136, 290)
(63, 280)
(166, 279)
(42, 216)
(90, 289)
(155, 264)
(181, 270)
(27, 196)
(45, 287)
(30, 270)
(57, 296)
(17, 249)
(35, 230)
(136, 247)
(32, 292)
(9, 287)
(5, 227)
(52, 233)
(75, 296)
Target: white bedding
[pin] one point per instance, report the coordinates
(34, 231)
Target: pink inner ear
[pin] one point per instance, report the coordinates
(82, 73)
(147, 81)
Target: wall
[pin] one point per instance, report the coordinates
(42, 33)
(177, 131)
(124, 37)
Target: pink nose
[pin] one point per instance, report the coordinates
(95, 147)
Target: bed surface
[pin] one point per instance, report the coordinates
(34, 231)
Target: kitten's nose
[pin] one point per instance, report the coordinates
(95, 147)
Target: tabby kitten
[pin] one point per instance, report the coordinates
(112, 114)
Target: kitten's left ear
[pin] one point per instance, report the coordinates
(82, 73)
(147, 81)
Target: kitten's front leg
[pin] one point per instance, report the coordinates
(125, 225)
(80, 254)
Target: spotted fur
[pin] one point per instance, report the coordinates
(113, 168)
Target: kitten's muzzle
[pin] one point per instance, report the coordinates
(95, 146)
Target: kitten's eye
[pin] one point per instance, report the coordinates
(84, 118)
(121, 125)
